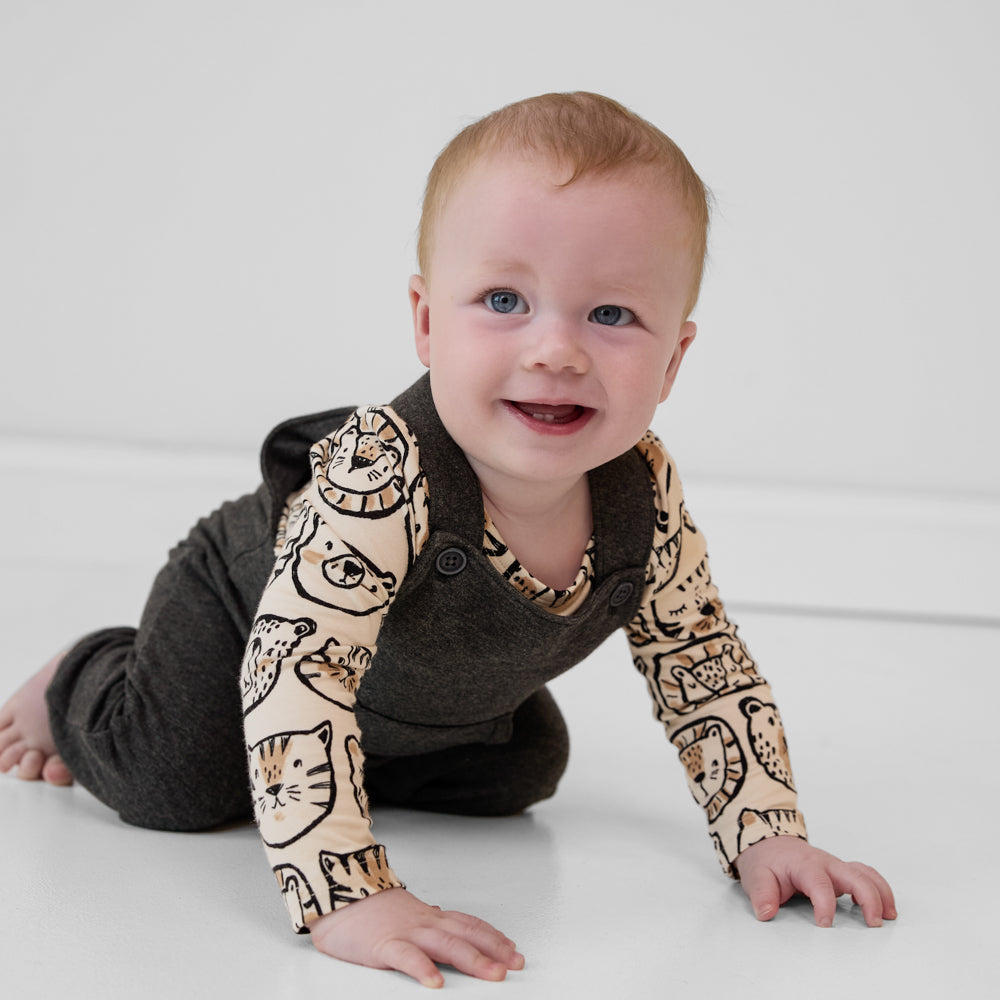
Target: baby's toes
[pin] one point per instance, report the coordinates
(55, 772)
(29, 768)
(12, 749)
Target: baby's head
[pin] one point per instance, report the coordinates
(584, 135)
(561, 250)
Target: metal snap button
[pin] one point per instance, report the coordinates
(621, 594)
(451, 561)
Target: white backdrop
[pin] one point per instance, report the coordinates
(207, 212)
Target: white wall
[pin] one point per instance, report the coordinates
(198, 197)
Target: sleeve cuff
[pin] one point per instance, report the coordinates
(756, 825)
(347, 878)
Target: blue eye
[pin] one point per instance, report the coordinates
(612, 316)
(505, 301)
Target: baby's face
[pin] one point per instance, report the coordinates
(552, 319)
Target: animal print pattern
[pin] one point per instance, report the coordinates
(357, 874)
(756, 826)
(335, 671)
(271, 639)
(298, 896)
(344, 543)
(292, 780)
(767, 739)
(359, 470)
(343, 549)
(714, 762)
(504, 561)
(686, 677)
(706, 691)
(689, 610)
(332, 573)
(354, 754)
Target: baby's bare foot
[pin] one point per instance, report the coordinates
(25, 735)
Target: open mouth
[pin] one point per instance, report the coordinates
(551, 413)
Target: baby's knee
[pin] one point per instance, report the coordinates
(161, 805)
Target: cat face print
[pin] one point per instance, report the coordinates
(714, 762)
(271, 639)
(292, 783)
(359, 470)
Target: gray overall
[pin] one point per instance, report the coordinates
(453, 711)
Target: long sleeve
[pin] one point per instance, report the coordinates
(347, 542)
(715, 707)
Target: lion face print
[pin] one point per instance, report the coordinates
(360, 470)
(714, 763)
(292, 783)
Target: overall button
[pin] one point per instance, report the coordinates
(451, 561)
(621, 594)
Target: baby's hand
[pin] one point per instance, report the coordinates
(774, 870)
(395, 930)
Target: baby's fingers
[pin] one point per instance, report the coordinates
(415, 955)
(406, 957)
(460, 953)
(764, 892)
(869, 890)
(818, 886)
(485, 937)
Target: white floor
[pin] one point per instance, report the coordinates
(611, 889)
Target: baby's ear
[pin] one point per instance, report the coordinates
(420, 306)
(688, 330)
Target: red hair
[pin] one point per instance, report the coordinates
(588, 133)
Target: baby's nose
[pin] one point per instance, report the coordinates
(558, 345)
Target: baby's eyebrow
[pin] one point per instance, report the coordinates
(624, 290)
(506, 265)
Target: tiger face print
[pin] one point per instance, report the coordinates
(358, 874)
(757, 825)
(292, 783)
(334, 671)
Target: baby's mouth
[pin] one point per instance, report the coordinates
(551, 413)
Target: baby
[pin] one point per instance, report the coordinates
(377, 623)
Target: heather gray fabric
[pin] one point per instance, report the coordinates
(453, 711)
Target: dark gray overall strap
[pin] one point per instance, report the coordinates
(445, 464)
(622, 494)
(461, 648)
